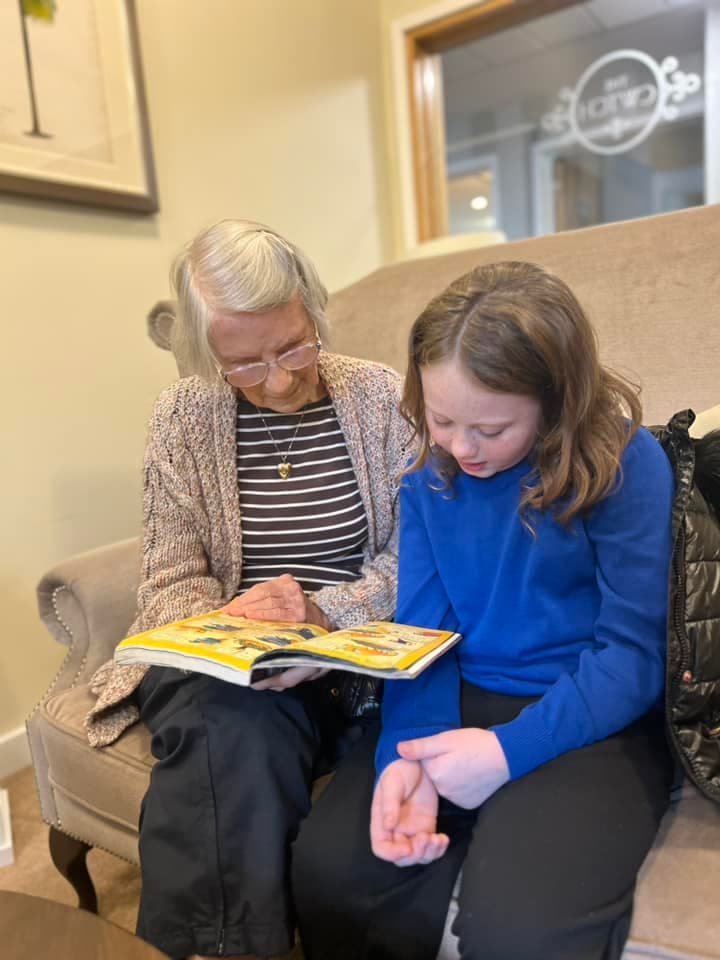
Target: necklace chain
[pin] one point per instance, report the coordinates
(284, 468)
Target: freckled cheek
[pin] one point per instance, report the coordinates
(493, 450)
(512, 450)
(498, 448)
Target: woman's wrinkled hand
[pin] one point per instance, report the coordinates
(291, 677)
(281, 598)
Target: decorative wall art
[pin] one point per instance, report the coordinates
(73, 118)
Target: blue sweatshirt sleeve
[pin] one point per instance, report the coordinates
(430, 703)
(622, 675)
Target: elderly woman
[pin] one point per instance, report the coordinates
(270, 488)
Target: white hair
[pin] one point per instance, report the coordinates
(237, 266)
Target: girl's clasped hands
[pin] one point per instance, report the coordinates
(465, 766)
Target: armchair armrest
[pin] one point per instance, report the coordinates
(87, 603)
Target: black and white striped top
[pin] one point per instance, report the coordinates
(311, 525)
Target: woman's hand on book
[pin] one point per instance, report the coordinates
(281, 598)
(403, 817)
(466, 766)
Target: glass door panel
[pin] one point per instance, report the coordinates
(591, 114)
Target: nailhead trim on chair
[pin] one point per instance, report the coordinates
(53, 600)
(81, 667)
(95, 846)
(60, 671)
(61, 668)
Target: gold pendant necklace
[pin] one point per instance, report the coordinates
(284, 468)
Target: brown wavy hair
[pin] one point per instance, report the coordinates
(517, 328)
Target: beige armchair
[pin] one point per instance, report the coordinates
(653, 288)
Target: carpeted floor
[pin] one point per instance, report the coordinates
(117, 883)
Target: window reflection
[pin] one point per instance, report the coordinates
(589, 115)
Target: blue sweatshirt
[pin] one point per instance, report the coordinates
(575, 616)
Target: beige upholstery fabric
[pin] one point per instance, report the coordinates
(653, 289)
(96, 792)
(678, 903)
(708, 420)
(454, 242)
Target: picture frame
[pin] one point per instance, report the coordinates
(74, 123)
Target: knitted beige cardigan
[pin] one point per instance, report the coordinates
(192, 551)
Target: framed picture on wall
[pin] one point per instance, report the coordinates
(73, 118)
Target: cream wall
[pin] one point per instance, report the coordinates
(270, 109)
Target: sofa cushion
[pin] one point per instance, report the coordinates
(677, 907)
(706, 421)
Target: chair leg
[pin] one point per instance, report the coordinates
(68, 855)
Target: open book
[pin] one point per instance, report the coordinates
(241, 651)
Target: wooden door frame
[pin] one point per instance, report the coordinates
(418, 42)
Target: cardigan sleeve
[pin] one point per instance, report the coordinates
(175, 579)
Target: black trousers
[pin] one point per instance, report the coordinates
(231, 784)
(549, 862)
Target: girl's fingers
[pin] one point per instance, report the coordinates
(419, 845)
(380, 836)
(428, 847)
(391, 849)
(389, 798)
(436, 847)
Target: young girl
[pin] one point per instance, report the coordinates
(535, 520)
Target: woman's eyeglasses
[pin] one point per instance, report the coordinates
(251, 374)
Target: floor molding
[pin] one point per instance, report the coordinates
(14, 752)
(7, 854)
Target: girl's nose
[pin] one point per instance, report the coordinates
(464, 446)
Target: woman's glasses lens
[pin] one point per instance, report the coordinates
(247, 376)
(252, 374)
(299, 357)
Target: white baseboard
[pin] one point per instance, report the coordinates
(14, 752)
(7, 855)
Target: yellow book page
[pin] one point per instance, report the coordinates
(230, 640)
(378, 644)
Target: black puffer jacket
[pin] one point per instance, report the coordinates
(693, 661)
